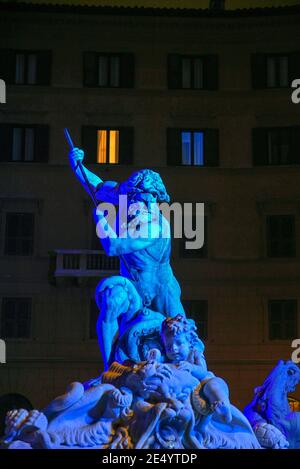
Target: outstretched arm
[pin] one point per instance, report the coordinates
(104, 191)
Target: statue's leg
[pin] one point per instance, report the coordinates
(168, 301)
(217, 392)
(113, 302)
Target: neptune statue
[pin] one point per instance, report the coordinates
(147, 285)
(155, 391)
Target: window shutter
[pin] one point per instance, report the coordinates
(5, 142)
(295, 144)
(174, 147)
(294, 66)
(259, 71)
(211, 73)
(174, 71)
(211, 147)
(90, 69)
(260, 146)
(89, 144)
(41, 143)
(44, 60)
(126, 145)
(127, 70)
(7, 66)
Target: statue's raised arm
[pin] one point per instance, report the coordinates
(104, 191)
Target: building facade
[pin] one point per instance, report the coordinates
(205, 100)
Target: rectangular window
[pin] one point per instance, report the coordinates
(191, 147)
(276, 146)
(283, 319)
(108, 146)
(279, 147)
(93, 318)
(275, 70)
(19, 234)
(198, 311)
(24, 143)
(108, 70)
(192, 72)
(16, 318)
(25, 67)
(281, 236)
(195, 253)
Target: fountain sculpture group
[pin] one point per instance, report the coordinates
(155, 391)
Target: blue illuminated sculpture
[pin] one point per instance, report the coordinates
(275, 424)
(156, 391)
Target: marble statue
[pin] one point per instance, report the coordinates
(170, 400)
(156, 390)
(275, 424)
(146, 282)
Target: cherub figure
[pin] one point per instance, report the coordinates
(184, 349)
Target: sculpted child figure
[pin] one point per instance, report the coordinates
(184, 349)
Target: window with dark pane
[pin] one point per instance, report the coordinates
(192, 72)
(276, 146)
(281, 236)
(16, 318)
(201, 253)
(94, 313)
(279, 146)
(108, 70)
(198, 311)
(24, 143)
(19, 234)
(283, 319)
(277, 71)
(25, 67)
(274, 70)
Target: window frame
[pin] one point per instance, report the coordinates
(31, 318)
(90, 145)
(18, 255)
(108, 130)
(41, 142)
(211, 148)
(192, 59)
(267, 241)
(268, 319)
(261, 148)
(276, 57)
(109, 56)
(26, 54)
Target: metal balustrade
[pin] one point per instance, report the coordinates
(83, 263)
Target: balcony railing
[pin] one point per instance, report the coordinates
(83, 263)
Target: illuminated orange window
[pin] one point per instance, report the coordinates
(108, 146)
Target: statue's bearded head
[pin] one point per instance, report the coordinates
(145, 185)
